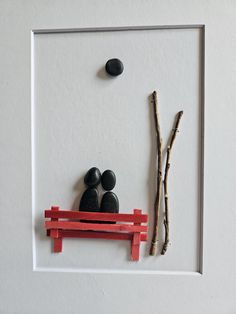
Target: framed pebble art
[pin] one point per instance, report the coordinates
(104, 101)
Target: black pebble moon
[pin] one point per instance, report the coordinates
(108, 180)
(92, 177)
(110, 203)
(89, 201)
(114, 67)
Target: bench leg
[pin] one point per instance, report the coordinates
(54, 233)
(57, 245)
(135, 250)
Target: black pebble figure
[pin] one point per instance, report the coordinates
(110, 202)
(89, 200)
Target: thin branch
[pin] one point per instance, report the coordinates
(153, 249)
(165, 182)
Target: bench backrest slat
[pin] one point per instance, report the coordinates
(72, 214)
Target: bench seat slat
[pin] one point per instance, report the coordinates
(98, 235)
(71, 225)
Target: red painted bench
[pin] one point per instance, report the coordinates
(68, 224)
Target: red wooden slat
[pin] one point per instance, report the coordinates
(71, 225)
(58, 245)
(72, 214)
(54, 232)
(135, 248)
(99, 235)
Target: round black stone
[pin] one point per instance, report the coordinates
(114, 67)
(108, 180)
(92, 177)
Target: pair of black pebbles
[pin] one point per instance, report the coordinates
(90, 198)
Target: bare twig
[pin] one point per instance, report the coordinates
(153, 249)
(165, 182)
